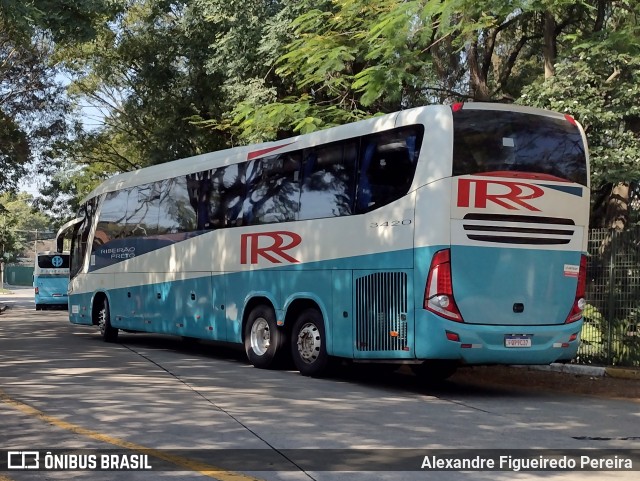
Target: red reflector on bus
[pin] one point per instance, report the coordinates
(452, 336)
(457, 106)
(37, 290)
(573, 337)
(466, 346)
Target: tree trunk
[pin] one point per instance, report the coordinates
(617, 213)
(478, 87)
(550, 47)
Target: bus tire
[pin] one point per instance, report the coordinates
(308, 343)
(262, 338)
(434, 371)
(38, 307)
(107, 331)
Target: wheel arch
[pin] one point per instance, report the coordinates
(98, 296)
(297, 304)
(253, 301)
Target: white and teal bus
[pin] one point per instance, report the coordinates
(50, 279)
(437, 236)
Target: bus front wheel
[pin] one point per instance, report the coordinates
(262, 338)
(108, 332)
(308, 343)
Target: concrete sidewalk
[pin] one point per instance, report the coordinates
(16, 296)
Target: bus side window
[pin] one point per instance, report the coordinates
(176, 213)
(218, 195)
(272, 189)
(232, 190)
(328, 183)
(112, 223)
(387, 166)
(142, 211)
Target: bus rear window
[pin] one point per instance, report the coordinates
(54, 261)
(487, 141)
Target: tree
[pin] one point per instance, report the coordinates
(18, 219)
(161, 76)
(597, 79)
(34, 113)
(32, 107)
(351, 59)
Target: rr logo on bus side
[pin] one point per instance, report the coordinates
(507, 194)
(268, 245)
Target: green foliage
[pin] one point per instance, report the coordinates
(600, 88)
(598, 81)
(18, 218)
(34, 113)
(351, 59)
(63, 20)
(615, 341)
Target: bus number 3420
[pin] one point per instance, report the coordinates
(391, 223)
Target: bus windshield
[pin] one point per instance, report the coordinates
(498, 141)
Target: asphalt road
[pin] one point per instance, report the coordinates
(189, 407)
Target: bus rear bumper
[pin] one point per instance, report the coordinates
(495, 344)
(51, 301)
(80, 309)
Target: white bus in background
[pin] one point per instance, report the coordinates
(438, 236)
(50, 279)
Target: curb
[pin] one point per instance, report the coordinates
(623, 373)
(593, 371)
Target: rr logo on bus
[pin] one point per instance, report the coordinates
(507, 194)
(268, 245)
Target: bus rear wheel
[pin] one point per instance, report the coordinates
(308, 343)
(107, 331)
(262, 338)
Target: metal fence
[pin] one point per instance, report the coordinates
(611, 332)
(18, 275)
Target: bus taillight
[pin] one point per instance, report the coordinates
(37, 290)
(579, 303)
(438, 293)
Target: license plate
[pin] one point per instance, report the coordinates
(517, 341)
